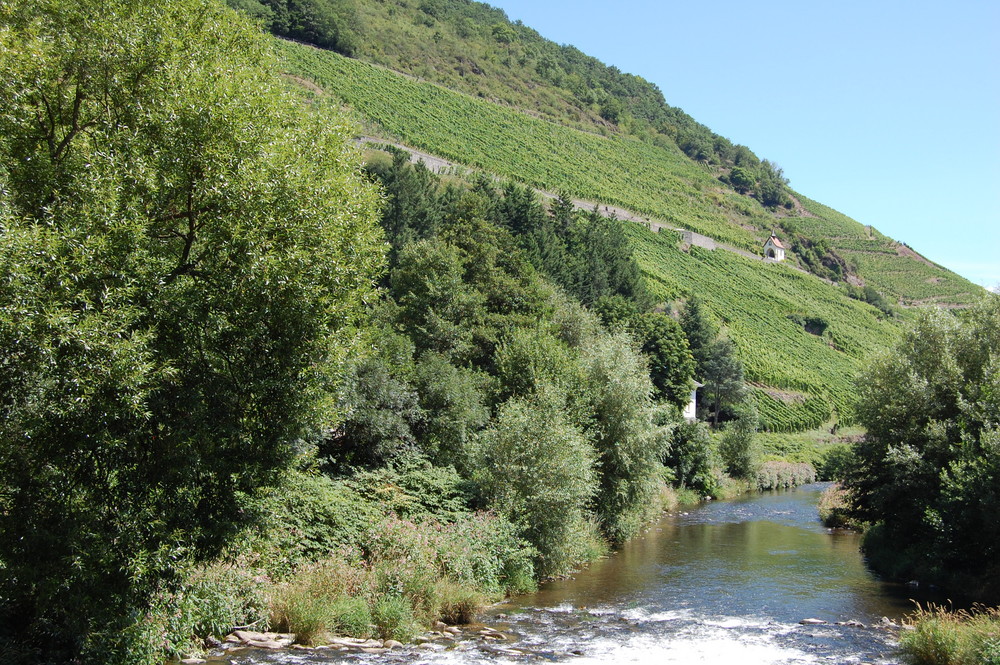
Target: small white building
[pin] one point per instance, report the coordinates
(773, 249)
(691, 409)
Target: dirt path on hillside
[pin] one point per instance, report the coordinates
(440, 165)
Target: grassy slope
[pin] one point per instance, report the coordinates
(617, 169)
(884, 263)
(453, 43)
(812, 375)
(753, 300)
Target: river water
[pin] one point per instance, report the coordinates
(726, 582)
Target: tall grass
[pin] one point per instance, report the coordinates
(943, 636)
(833, 508)
(408, 575)
(328, 596)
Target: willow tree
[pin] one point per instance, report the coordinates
(185, 250)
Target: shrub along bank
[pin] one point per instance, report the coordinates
(926, 474)
(945, 637)
(332, 558)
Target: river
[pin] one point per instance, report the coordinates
(725, 582)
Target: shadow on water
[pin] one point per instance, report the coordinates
(720, 583)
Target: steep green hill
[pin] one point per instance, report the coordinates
(474, 48)
(654, 179)
(801, 379)
(618, 169)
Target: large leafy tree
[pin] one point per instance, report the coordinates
(629, 443)
(184, 251)
(928, 471)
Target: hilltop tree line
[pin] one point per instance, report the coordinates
(330, 24)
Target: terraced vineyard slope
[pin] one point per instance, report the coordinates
(648, 179)
(800, 379)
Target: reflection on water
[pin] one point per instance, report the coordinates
(763, 556)
(722, 583)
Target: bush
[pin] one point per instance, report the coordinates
(351, 616)
(325, 596)
(833, 509)
(737, 447)
(304, 614)
(435, 570)
(530, 359)
(415, 489)
(835, 462)
(484, 551)
(629, 443)
(928, 469)
(691, 458)
(404, 563)
(310, 517)
(457, 603)
(208, 601)
(481, 551)
(781, 475)
(536, 469)
(221, 596)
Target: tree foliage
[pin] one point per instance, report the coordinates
(537, 468)
(670, 363)
(691, 459)
(724, 387)
(629, 445)
(738, 449)
(715, 362)
(700, 332)
(184, 253)
(328, 24)
(928, 471)
(585, 253)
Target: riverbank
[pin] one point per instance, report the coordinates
(718, 582)
(942, 636)
(402, 581)
(371, 557)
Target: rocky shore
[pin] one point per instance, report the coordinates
(440, 635)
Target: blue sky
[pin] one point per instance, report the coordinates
(887, 111)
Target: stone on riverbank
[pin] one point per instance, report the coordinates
(252, 638)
